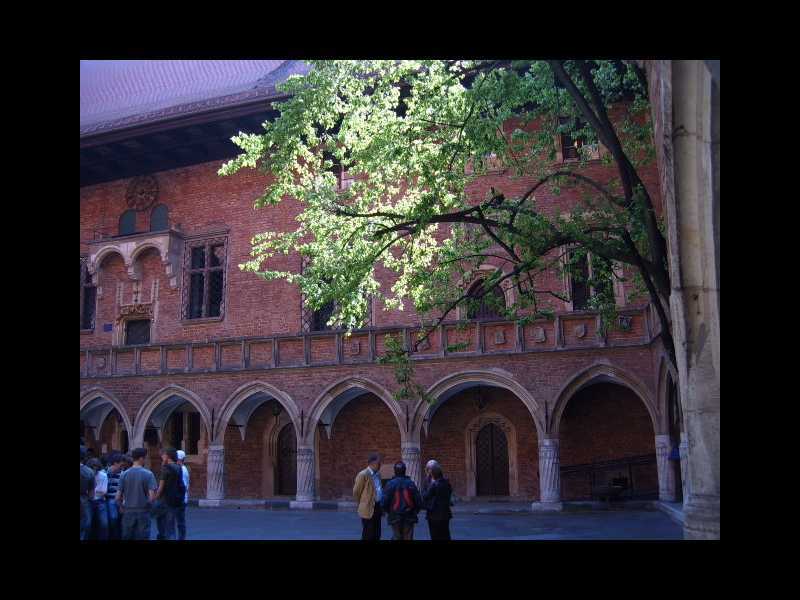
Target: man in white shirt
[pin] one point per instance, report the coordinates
(180, 513)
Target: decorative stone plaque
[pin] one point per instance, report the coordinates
(625, 322)
(499, 336)
(355, 348)
(424, 344)
(580, 330)
(142, 193)
(539, 335)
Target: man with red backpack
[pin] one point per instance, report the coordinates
(401, 502)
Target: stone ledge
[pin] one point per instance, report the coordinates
(674, 510)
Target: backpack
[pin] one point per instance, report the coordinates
(177, 492)
(403, 500)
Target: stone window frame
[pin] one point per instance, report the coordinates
(204, 241)
(482, 272)
(558, 139)
(616, 279)
(84, 274)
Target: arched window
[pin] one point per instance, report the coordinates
(487, 309)
(127, 223)
(159, 218)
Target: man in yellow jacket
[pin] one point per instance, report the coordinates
(368, 492)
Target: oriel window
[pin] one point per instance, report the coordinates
(205, 279)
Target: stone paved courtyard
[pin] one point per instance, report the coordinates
(259, 524)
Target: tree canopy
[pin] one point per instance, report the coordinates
(417, 137)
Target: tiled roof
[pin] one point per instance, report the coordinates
(122, 93)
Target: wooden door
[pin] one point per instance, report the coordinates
(491, 462)
(287, 462)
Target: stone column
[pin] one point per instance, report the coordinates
(215, 476)
(684, 454)
(666, 476)
(410, 456)
(305, 478)
(549, 476)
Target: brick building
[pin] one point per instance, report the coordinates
(179, 347)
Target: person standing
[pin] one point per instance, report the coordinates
(137, 488)
(437, 502)
(170, 494)
(180, 513)
(87, 493)
(401, 502)
(426, 483)
(368, 494)
(98, 503)
(114, 473)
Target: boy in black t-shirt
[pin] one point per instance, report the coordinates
(170, 488)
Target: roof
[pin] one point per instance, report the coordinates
(119, 94)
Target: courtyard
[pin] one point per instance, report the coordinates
(259, 524)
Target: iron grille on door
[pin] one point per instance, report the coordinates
(491, 462)
(287, 461)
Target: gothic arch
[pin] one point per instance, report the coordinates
(452, 384)
(665, 372)
(336, 396)
(156, 401)
(470, 439)
(95, 403)
(482, 272)
(594, 374)
(243, 402)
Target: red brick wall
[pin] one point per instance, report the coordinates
(364, 425)
(200, 201)
(446, 442)
(244, 460)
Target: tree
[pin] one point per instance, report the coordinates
(418, 137)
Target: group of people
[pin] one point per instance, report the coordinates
(119, 496)
(401, 501)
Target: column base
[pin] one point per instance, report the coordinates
(701, 521)
(547, 507)
(302, 504)
(208, 503)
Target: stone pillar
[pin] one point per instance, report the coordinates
(684, 454)
(410, 456)
(666, 476)
(215, 476)
(305, 478)
(549, 476)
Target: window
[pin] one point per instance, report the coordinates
(88, 298)
(127, 223)
(321, 316)
(159, 218)
(584, 281)
(137, 332)
(488, 308)
(569, 146)
(205, 279)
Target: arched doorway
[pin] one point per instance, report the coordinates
(104, 425)
(355, 424)
(491, 462)
(486, 441)
(286, 467)
(176, 418)
(607, 444)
